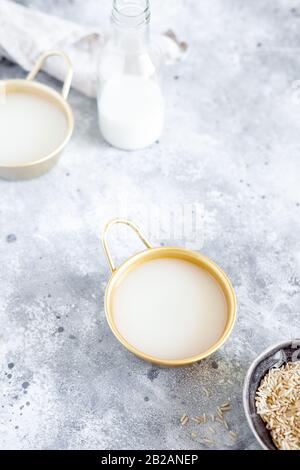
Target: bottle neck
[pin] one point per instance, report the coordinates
(130, 19)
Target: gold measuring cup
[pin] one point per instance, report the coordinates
(30, 86)
(152, 253)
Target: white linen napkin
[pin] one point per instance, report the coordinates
(26, 33)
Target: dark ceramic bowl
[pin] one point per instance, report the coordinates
(274, 356)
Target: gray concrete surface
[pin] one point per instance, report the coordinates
(231, 145)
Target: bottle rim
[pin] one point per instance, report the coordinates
(131, 13)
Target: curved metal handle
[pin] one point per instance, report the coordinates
(104, 238)
(40, 62)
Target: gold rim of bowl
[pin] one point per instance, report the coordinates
(49, 94)
(177, 253)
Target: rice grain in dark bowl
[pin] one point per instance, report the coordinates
(275, 356)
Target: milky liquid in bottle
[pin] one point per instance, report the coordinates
(130, 100)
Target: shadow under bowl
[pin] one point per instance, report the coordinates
(275, 356)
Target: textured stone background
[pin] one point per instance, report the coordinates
(231, 144)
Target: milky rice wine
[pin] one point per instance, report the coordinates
(169, 308)
(31, 128)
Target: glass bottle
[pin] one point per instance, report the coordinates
(130, 101)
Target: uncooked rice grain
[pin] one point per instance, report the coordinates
(277, 401)
(184, 419)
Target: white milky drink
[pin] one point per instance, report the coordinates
(131, 112)
(169, 308)
(31, 128)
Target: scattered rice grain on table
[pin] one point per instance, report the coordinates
(208, 441)
(225, 407)
(184, 419)
(220, 412)
(225, 424)
(199, 419)
(277, 402)
(218, 420)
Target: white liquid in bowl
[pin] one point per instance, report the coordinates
(169, 309)
(30, 128)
